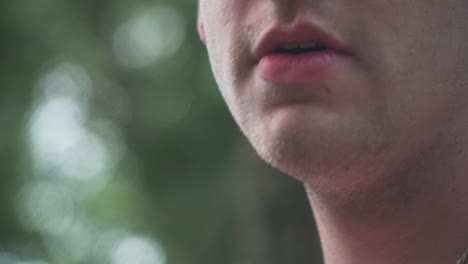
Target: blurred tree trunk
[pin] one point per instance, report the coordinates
(276, 221)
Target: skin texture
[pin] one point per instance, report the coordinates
(379, 140)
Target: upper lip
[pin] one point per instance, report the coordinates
(279, 35)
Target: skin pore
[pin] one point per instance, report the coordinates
(380, 139)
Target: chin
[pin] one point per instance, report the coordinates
(319, 146)
(301, 153)
(346, 166)
(301, 159)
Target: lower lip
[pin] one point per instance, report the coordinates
(283, 68)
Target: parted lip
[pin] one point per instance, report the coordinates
(279, 35)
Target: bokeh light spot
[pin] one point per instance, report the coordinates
(60, 142)
(31, 262)
(138, 250)
(57, 124)
(7, 258)
(48, 208)
(67, 79)
(152, 34)
(75, 243)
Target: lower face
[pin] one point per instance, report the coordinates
(372, 109)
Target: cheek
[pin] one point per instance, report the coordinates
(415, 63)
(216, 31)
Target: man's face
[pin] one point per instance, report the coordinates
(322, 87)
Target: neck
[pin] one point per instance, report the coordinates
(415, 214)
(431, 227)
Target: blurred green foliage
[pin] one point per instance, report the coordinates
(115, 146)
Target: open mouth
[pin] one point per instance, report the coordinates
(299, 48)
(299, 39)
(297, 54)
(296, 61)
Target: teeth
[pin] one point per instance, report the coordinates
(290, 46)
(309, 45)
(305, 45)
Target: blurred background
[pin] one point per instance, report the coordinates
(116, 147)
